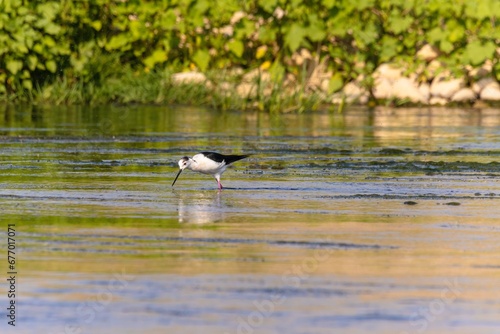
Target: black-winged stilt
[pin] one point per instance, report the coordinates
(210, 163)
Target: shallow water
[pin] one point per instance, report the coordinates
(370, 221)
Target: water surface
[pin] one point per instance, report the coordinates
(370, 221)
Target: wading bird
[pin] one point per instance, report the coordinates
(209, 163)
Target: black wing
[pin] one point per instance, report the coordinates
(229, 159)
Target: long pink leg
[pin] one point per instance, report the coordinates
(218, 183)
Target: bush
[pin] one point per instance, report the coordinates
(86, 42)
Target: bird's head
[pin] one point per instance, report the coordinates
(184, 163)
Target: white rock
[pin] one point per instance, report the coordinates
(188, 78)
(388, 71)
(425, 90)
(235, 72)
(279, 13)
(246, 90)
(305, 54)
(297, 59)
(237, 16)
(352, 91)
(325, 85)
(226, 30)
(433, 68)
(405, 88)
(382, 89)
(256, 74)
(319, 73)
(290, 81)
(483, 71)
(441, 87)
(338, 98)
(267, 91)
(364, 98)
(464, 95)
(491, 93)
(300, 57)
(428, 53)
(413, 77)
(478, 86)
(438, 101)
(225, 87)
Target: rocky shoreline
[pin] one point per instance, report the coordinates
(432, 83)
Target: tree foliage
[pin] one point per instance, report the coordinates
(40, 41)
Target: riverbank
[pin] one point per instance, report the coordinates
(431, 84)
(260, 89)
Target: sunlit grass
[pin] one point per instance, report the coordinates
(157, 88)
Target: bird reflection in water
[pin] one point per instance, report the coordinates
(200, 207)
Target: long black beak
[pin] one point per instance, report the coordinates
(180, 171)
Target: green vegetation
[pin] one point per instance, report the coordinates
(101, 51)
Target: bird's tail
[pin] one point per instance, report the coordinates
(232, 158)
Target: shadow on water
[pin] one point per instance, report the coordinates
(380, 221)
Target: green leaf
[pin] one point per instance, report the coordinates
(201, 58)
(389, 48)
(32, 61)
(22, 11)
(244, 28)
(158, 56)
(446, 46)
(456, 34)
(117, 42)
(328, 3)
(361, 4)
(336, 83)
(476, 53)
(295, 36)
(49, 41)
(400, 24)
(267, 34)
(51, 66)
(316, 32)
(25, 74)
(48, 10)
(236, 47)
(27, 84)
(197, 12)
(97, 25)
(52, 29)
(268, 5)
(436, 35)
(367, 36)
(201, 6)
(169, 19)
(14, 65)
(481, 9)
(19, 47)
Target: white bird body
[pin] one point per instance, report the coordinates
(204, 165)
(209, 163)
